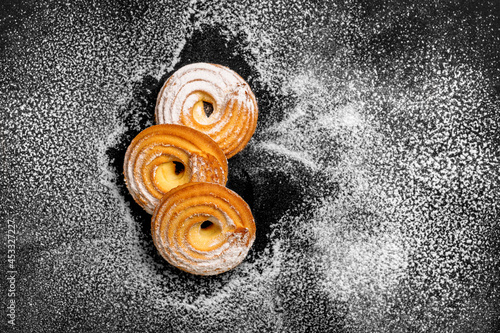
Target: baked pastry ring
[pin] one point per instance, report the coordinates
(212, 99)
(203, 228)
(165, 156)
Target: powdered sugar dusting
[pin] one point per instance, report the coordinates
(373, 174)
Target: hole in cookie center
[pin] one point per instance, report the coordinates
(205, 234)
(169, 171)
(169, 175)
(208, 108)
(204, 109)
(179, 168)
(209, 230)
(206, 224)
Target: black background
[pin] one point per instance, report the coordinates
(75, 72)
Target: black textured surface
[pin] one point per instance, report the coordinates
(373, 174)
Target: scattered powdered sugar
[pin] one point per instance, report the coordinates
(373, 174)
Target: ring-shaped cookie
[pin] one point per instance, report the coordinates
(203, 228)
(163, 157)
(212, 99)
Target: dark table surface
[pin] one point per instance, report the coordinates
(373, 174)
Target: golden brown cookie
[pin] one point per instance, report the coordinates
(212, 99)
(203, 228)
(163, 157)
